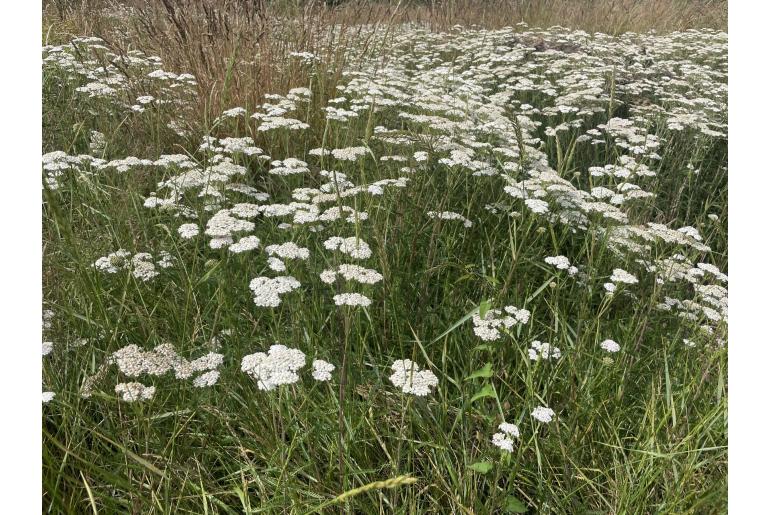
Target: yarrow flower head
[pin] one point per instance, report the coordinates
(351, 273)
(352, 299)
(349, 153)
(322, 370)
(561, 263)
(488, 327)
(352, 246)
(133, 361)
(244, 244)
(541, 350)
(131, 392)
(410, 379)
(610, 346)
(504, 439)
(206, 379)
(543, 414)
(188, 231)
(277, 367)
(621, 276)
(288, 250)
(267, 291)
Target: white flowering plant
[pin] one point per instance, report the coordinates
(454, 270)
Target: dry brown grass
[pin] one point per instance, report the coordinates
(238, 49)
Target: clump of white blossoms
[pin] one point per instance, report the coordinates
(113, 261)
(619, 276)
(351, 273)
(543, 414)
(276, 265)
(48, 316)
(352, 246)
(223, 225)
(410, 379)
(277, 367)
(244, 245)
(47, 348)
(289, 166)
(561, 263)
(352, 299)
(288, 250)
(488, 327)
(536, 205)
(131, 392)
(133, 361)
(610, 345)
(140, 264)
(541, 350)
(268, 290)
(450, 215)
(48, 397)
(143, 267)
(206, 379)
(349, 153)
(188, 231)
(322, 370)
(504, 439)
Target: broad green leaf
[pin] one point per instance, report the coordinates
(513, 505)
(484, 307)
(482, 467)
(486, 391)
(486, 371)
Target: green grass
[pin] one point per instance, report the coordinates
(644, 432)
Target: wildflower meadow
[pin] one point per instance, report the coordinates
(404, 267)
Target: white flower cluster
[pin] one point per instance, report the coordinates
(352, 299)
(48, 316)
(410, 379)
(349, 153)
(206, 379)
(352, 246)
(279, 366)
(541, 350)
(543, 414)
(244, 245)
(488, 327)
(47, 348)
(267, 291)
(188, 231)
(288, 250)
(610, 345)
(223, 225)
(140, 264)
(113, 262)
(619, 276)
(270, 123)
(504, 439)
(450, 215)
(351, 273)
(131, 392)
(537, 205)
(561, 263)
(322, 370)
(289, 166)
(133, 362)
